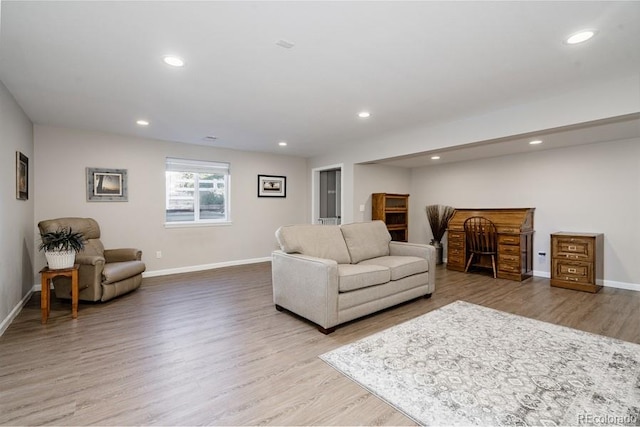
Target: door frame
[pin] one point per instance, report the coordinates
(315, 189)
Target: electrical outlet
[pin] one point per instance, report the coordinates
(158, 254)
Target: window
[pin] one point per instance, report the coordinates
(197, 191)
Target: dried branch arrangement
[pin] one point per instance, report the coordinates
(439, 216)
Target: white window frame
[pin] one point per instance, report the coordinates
(199, 166)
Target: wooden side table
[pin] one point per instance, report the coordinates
(47, 275)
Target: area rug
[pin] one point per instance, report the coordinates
(465, 364)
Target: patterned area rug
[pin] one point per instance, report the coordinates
(464, 364)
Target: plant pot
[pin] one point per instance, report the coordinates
(438, 246)
(59, 260)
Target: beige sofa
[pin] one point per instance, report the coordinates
(331, 274)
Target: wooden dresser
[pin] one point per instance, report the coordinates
(515, 241)
(393, 209)
(577, 261)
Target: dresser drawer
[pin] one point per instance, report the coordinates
(456, 235)
(509, 259)
(509, 249)
(507, 239)
(572, 248)
(455, 251)
(456, 244)
(572, 271)
(503, 229)
(509, 267)
(508, 262)
(455, 259)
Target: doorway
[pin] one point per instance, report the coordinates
(327, 189)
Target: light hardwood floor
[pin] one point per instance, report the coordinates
(209, 348)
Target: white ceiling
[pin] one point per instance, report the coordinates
(98, 65)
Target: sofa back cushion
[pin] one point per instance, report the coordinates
(322, 241)
(366, 240)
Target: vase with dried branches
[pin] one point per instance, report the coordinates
(438, 216)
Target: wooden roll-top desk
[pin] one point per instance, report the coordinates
(515, 241)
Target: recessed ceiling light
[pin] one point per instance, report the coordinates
(282, 143)
(580, 36)
(174, 61)
(535, 142)
(364, 114)
(142, 122)
(435, 157)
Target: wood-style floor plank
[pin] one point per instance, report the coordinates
(209, 348)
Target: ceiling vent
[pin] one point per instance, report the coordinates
(285, 44)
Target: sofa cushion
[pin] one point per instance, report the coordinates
(321, 241)
(358, 276)
(400, 266)
(366, 240)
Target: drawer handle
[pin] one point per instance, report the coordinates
(573, 279)
(571, 270)
(509, 240)
(573, 248)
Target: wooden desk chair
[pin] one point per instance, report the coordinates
(481, 237)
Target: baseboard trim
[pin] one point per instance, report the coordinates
(544, 274)
(202, 267)
(606, 283)
(14, 313)
(622, 285)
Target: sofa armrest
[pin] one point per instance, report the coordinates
(122, 254)
(307, 286)
(419, 250)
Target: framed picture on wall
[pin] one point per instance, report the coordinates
(22, 176)
(272, 186)
(106, 185)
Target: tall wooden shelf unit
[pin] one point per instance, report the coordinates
(393, 209)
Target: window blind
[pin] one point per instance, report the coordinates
(196, 166)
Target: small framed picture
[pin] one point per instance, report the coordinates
(22, 176)
(272, 186)
(106, 185)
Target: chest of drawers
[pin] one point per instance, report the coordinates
(577, 261)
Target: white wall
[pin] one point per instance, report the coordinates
(369, 179)
(605, 100)
(590, 188)
(16, 216)
(63, 154)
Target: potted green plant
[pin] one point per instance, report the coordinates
(438, 216)
(60, 247)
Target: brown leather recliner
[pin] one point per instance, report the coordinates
(104, 273)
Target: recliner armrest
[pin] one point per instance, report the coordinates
(89, 259)
(122, 254)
